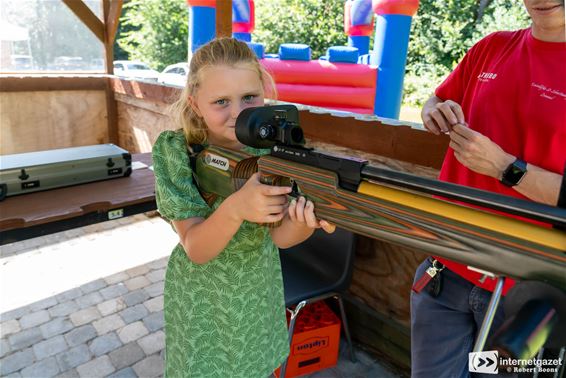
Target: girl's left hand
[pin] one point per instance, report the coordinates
(301, 212)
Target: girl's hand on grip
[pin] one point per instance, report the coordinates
(259, 203)
(301, 212)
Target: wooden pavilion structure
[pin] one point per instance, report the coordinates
(46, 111)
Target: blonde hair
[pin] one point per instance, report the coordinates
(221, 51)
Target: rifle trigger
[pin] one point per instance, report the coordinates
(294, 191)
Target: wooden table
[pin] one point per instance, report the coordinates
(41, 213)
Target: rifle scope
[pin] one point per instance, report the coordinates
(266, 126)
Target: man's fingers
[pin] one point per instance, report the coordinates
(455, 146)
(447, 109)
(464, 131)
(457, 109)
(430, 125)
(457, 138)
(440, 120)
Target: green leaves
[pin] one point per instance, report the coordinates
(317, 23)
(444, 30)
(155, 31)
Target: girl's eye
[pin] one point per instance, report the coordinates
(249, 98)
(221, 102)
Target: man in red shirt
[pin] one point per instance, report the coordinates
(504, 107)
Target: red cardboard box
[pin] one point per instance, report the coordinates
(315, 341)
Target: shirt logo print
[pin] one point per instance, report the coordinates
(487, 76)
(548, 93)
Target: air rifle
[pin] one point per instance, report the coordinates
(425, 214)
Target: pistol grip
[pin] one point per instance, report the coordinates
(269, 179)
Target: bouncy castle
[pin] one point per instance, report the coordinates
(349, 78)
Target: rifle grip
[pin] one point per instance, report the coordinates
(269, 179)
(273, 180)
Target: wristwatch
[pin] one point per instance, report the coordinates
(514, 173)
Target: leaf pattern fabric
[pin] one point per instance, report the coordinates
(225, 318)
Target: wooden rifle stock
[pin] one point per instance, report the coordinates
(393, 206)
(487, 241)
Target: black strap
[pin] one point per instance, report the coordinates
(562, 193)
(193, 151)
(562, 196)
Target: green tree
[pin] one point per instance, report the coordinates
(155, 31)
(317, 23)
(502, 15)
(444, 30)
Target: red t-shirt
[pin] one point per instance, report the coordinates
(512, 89)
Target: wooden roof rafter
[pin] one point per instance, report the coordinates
(112, 12)
(104, 30)
(87, 17)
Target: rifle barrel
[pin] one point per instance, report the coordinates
(527, 209)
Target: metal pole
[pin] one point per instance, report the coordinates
(489, 315)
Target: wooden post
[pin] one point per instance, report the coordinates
(104, 30)
(111, 11)
(223, 18)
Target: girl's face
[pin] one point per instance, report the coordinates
(223, 93)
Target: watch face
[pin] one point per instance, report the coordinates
(514, 173)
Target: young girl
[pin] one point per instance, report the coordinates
(224, 305)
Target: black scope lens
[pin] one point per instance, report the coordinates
(265, 126)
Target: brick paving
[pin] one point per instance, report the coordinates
(109, 326)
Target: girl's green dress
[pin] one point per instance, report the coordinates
(225, 318)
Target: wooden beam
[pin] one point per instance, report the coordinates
(52, 83)
(108, 44)
(112, 19)
(109, 9)
(83, 12)
(401, 142)
(223, 18)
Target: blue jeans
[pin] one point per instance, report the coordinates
(444, 328)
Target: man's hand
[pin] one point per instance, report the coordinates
(478, 153)
(439, 116)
